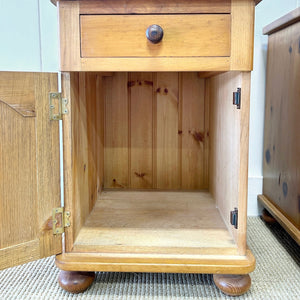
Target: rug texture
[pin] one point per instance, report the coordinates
(277, 276)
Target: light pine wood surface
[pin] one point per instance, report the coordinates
(116, 135)
(140, 129)
(171, 54)
(242, 35)
(281, 184)
(184, 35)
(155, 133)
(154, 6)
(228, 156)
(193, 134)
(143, 221)
(29, 168)
(69, 38)
(144, 117)
(195, 6)
(156, 232)
(108, 262)
(167, 128)
(83, 146)
(153, 64)
(69, 81)
(136, 6)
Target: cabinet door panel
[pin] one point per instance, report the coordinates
(29, 169)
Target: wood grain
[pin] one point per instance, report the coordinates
(242, 35)
(48, 174)
(141, 130)
(83, 141)
(216, 6)
(116, 136)
(168, 132)
(153, 64)
(19, 254)
(75, 282)
(232, 285)
(204, 3)
(81, 154)
(184, 35)
(92, 133)
(204, 108)
(206, 264)
(140, 221)
(154, 7)
(193, 135)
(21, 96)
(100, 127)
(206, 134)
(281, 134)
(29, 176)
(69, 35)
(69, 88)
(240, 44)
(243, 162)
(149, 141)
(229, 133)
(224, 144)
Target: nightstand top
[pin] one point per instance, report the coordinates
(55, 1)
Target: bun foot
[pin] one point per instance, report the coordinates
(267, 217)
(75, 282)
(232, 285)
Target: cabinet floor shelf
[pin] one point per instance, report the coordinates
(157, 222)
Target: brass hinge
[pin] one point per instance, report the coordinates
(237, 98)
(60, 108)
(234, 217)
(60, 220)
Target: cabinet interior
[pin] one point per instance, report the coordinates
(156, 160)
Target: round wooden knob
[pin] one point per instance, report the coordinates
(154, 33)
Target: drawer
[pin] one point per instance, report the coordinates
(206, 35)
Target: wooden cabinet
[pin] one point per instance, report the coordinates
(155, 144)
(281, 185)
(198, 35)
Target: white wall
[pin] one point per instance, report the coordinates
(29, 39)
(29, 42)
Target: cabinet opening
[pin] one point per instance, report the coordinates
(156, 163)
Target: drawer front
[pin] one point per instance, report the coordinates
(184, 35)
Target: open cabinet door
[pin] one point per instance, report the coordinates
(29, 168)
